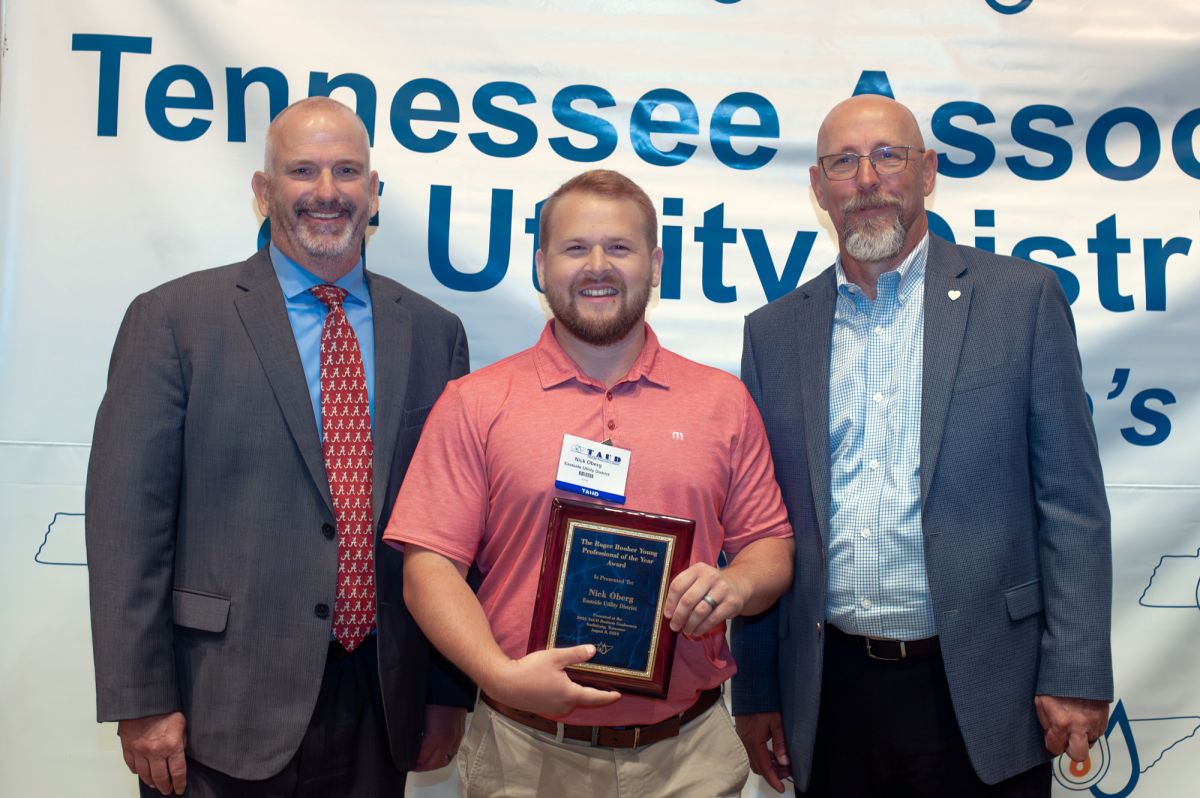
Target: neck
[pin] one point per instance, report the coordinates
(604, 364)
(330, 269)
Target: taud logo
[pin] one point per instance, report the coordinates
(596, 454)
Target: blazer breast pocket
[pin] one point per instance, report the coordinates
(205, 612)
(975, 379)
(1024, 600)
(415, 417)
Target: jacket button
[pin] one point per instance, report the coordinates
(328, 531)
(818, 627)
(321, 611)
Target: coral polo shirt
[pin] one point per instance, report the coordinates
(481, 481)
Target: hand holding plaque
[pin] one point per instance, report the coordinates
(605, 577)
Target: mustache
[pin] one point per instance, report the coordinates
(868, 201)
(608, 280)
(341, 204)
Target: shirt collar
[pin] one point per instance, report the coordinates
(554, 366)
(295, 280)
(911, 272)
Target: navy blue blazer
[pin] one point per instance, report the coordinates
(1013, 511)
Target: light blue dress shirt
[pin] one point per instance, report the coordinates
(306, 314)
(877, 583)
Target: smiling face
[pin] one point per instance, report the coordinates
(878, 218)
(318, 189)
(597, 266)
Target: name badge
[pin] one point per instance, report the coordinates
(593, 469)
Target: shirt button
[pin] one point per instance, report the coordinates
(328, 531)
(878, 329)
(608, 395)
(612, 425)
(878, 397)
(866, 604)
(874, 463)
(321, 611)
(866, 533)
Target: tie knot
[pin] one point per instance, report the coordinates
(331, 296)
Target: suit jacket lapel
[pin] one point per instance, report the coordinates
(265, 318)
(393, 345)
(947, 304)
(814, 320)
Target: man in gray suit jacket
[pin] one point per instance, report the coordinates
(218, 531)
(948, 626)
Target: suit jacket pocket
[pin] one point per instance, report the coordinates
(203, 611)
(415, 417)
(1024, 600)
(981, 378)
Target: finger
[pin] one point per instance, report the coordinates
(1056, 741)
(177, 767)
(778, 744)
(127, 754)
(679, 585)
(688, 609)
(760, 763)
(591, 697)
(1077, 747)
(160, 776)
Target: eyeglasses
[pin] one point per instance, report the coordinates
(886, 160)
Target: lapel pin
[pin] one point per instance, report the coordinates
(954, 294)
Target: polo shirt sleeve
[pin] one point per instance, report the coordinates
(442, 504)
(754, 507)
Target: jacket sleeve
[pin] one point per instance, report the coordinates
(755, 640)
(1074, 534)
(132, 498)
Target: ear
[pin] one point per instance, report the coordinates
(814, 179)
(929, 173)
(539, 261)
(374, 193)
(656, 260)
(260, 184)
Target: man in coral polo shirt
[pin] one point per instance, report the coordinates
(479, 492)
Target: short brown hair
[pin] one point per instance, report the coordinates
(606, 183)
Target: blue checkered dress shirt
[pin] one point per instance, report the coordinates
(877, 584)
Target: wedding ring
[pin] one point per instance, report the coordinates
(712, 602)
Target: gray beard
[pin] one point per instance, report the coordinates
(875, 242)
(323, 247)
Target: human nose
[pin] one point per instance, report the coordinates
(325, 187)
(867, 178)
(597, 260)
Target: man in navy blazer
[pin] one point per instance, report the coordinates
(948, 626)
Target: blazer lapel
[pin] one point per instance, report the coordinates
(947, 304)
(265, 318)
(814, 320)
(393, 345)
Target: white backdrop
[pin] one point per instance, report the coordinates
(128, 133)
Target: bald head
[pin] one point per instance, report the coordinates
(306, 113)
(868, 112)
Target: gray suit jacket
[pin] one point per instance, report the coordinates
(1013, 511)
(210, 528)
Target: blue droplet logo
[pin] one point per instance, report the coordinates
(1009, 8)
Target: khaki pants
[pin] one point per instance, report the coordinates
(500, 758)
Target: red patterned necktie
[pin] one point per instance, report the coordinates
(346, 444)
